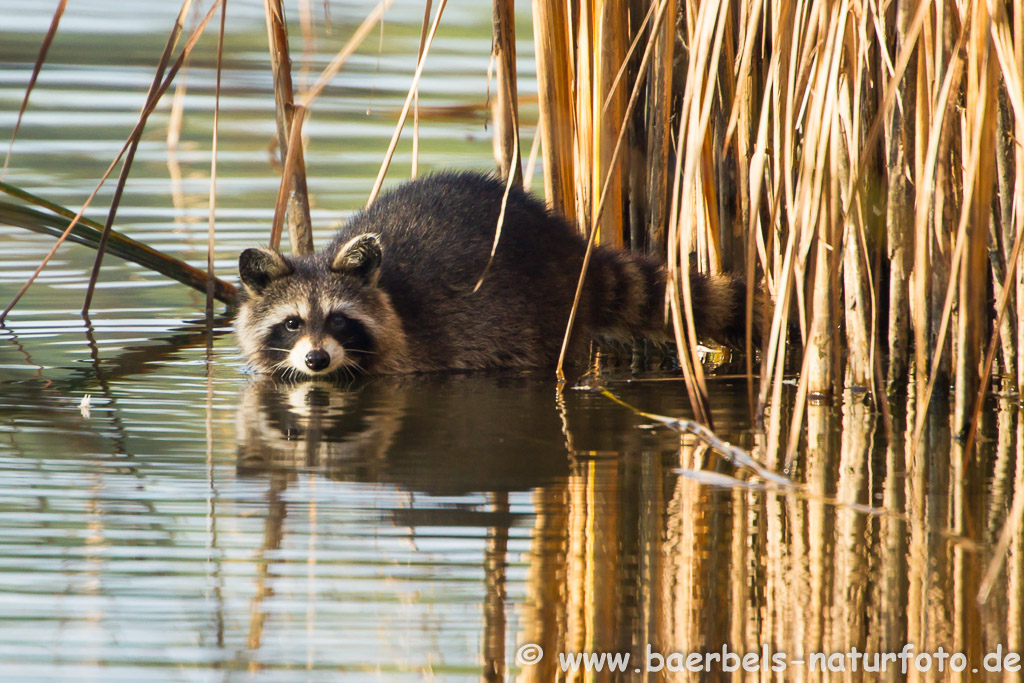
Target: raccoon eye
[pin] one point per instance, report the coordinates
(293, 323)
(337, 321)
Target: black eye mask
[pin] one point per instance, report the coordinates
(352, 335)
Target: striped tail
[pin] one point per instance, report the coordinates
(628, 299)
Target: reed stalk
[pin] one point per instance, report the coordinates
(607, 107)
(300, 230)
(583, 114)
(899, 217)
(1015, 47)
(659, 130)
(425, 26)
(555, 67)
(979, 127)
(44, 49)
(211, 230)
(286, 192)
(506, 104)
(88, 233)
(421, 62)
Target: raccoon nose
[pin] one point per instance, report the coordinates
(317, 360)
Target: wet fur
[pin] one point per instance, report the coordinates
(414, 295)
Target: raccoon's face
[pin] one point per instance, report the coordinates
(313, 315)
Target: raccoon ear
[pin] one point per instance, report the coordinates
(360, 256)
(258, 267)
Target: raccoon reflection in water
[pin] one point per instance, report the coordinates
(397, 430)
(394, 291)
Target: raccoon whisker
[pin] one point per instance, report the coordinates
(368, 353)
(281, 364)
(348, 371)
(291, 373)
(348, 366)
(349, 363)
(277, 368)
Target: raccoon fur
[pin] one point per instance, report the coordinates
(394, 291)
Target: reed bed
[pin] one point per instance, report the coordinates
(859, 162)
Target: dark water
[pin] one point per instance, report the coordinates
(196, 522)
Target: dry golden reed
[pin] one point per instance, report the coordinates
(860, 161)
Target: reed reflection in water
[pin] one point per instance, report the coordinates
(627, 555)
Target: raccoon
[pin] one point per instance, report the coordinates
(394, 292)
